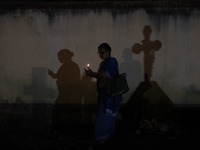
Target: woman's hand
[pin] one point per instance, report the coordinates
(50, 72)
(88, 72)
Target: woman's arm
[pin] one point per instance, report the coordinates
(90, 73)
(53, 75)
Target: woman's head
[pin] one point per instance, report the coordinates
(104, 51)
(65, 55)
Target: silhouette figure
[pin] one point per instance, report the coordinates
(106, 106)
(148, 104)
(68, 83)
(133, 69)
(148, 47)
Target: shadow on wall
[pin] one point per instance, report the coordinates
(67, 78)
(72, 91)
(148, 103)
(148, 47)
(133, 69)
(75, 97)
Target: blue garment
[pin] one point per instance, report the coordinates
(107, 106)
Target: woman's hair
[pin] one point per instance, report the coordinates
(104, 46)
(65, 53)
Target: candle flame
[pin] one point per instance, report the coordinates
(88, 65)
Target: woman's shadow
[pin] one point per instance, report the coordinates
(67, 104)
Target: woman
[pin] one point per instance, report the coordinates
(107, 106)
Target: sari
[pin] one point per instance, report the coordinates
(107, 106)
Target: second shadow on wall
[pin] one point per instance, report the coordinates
(148, 102)
(132, 68)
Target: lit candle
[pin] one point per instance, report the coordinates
(88, 65)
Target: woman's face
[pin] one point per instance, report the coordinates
(63, 58)
(60, 58)
(103, 54)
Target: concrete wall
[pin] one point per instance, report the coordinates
(31, 38)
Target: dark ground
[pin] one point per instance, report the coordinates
(29, 127)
